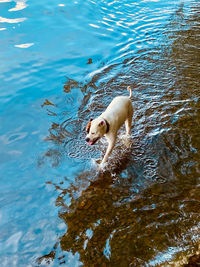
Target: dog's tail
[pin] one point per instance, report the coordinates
(130, 91)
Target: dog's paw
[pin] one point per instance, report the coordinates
(102, 165)
(98, 164)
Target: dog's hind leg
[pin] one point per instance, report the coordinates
(128, 121)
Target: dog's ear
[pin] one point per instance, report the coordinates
(101, 123)
(88, 126)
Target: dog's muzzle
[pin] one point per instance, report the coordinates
(91, 142)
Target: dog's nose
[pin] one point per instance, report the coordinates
(87, 139)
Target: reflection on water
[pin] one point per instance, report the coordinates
(143, 209)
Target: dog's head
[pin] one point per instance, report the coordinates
(95, 130)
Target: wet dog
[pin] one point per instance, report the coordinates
(119, 111)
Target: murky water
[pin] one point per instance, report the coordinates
(62, 62)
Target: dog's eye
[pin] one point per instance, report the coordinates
(92, 133)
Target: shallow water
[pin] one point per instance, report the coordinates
(61, 63)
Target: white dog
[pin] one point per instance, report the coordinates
(109, 122)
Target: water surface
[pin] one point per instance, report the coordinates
(63, 62)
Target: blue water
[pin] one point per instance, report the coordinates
(61, 63)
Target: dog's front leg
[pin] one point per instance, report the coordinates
(111, 144)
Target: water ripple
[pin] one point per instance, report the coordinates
(20, 5)
(5, 20)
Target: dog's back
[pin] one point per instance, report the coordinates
(119, 110)
(120, 104)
